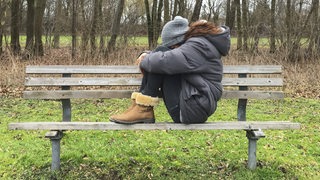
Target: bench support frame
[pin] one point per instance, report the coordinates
(252, 135)
(55, 137)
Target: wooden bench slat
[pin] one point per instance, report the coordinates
(77, 94)
(157, 126)
(96, 94)
(113, 81)
(78, 69)
(272, 82)
(252, 95)
(81, 81)
(252, 69)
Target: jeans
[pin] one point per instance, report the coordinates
(166, 86)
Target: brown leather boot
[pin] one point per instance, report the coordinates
(133, 103)
(142, 112)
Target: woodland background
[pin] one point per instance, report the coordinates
(116, 31)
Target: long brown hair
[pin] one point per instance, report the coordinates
(201, 28)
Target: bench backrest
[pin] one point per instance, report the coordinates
(67, 82)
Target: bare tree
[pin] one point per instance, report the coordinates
(94, 24)
(116, 25)
(230, 14)
(245, 24)
(30, 28)
(314, 44)
(74, 28)
(166, 12)
(15, 24)
(239, 29)
(273, 27)
(3, 9)
(153, 21)
(34, 27)
(57, 23)
(38, 19)
(288, 23)
(196, 11)
(83, 26)
(182, 8)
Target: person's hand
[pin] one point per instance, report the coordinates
(140, 58)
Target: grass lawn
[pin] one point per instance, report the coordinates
(214, 154)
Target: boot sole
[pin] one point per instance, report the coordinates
(147, 121)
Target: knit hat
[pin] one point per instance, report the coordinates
(173, 31)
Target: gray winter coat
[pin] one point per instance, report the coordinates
(198, 61)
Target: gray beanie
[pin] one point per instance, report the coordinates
(173, 31)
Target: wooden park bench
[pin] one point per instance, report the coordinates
(82, 82)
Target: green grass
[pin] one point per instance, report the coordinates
(214, 154)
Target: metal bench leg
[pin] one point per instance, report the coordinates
(253, 137)
(55, 137)
(242, 106)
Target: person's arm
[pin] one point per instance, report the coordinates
(177, 61)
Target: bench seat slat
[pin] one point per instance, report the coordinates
(96, 94)
(113, 81)
(78, 69)
(236, 125)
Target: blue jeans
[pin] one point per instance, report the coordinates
(166, 86)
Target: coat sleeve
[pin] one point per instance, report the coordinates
(185, 59)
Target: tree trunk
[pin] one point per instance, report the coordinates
(154, 22)
(288, 24)
(157, 23)
(30, 28)
(74, 29)
(228, 14)
(85, 29)
(166, 10)
(116, 25)
(182, 8)
(245, 24)
(38, 18)
(231, 14)
(3, 9)
(57, 24)
(196, 11)
(314, 35)
(149, 22)
(15, 24)
(101, 28)
(239, 29)
(273, 27)
(94, 23)
(175, 9)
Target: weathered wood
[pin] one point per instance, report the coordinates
(156, 126)
(125, 81)
(78, 69)
(81, 81)
(77, 94)
(105, 94)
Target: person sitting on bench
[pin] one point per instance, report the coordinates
(185, 70)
